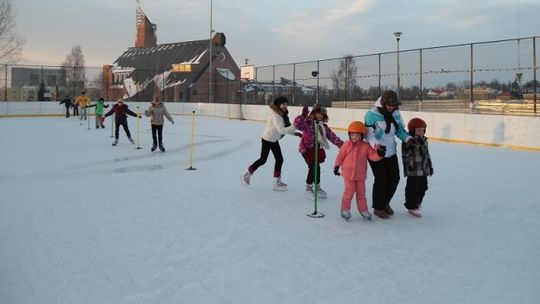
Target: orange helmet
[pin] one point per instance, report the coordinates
(357, 127)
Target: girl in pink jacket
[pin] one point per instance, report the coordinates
(353, 158)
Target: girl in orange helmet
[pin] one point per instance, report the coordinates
(353, 158)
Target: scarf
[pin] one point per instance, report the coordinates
(286, 120)
(388, 119)
(323, 141)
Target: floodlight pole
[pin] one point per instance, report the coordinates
(210, 99)
(398, 35)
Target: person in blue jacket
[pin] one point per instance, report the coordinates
(384, 123)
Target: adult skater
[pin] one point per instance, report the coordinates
(384, 122)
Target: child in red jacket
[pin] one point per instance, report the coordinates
(353, 158)
(120, 109)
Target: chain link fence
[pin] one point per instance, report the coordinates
(495, 77)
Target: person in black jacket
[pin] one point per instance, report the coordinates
(67, 104)
(120, 110)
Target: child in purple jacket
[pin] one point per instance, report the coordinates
(305, 123)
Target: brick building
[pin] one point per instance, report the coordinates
(177, 71)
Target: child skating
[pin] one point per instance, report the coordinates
(306, 124)
(156, 111)
(277, 125)
(417, 166)
(121, 110)
(100, 108)
(353, 159)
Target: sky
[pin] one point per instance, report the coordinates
(268, 32)
(86, 222)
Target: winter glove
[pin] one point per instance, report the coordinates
(336, 171)
(381, 151)
(430, 171)
(409, 141)
(299, 134)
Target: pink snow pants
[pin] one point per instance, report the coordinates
(352, 187)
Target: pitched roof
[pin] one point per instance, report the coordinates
(155, 63)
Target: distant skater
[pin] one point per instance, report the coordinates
(121, 110)
(100, 107)
(82, 101)
(157, 111)
(67, 103)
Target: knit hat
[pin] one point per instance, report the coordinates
(389, 98)
(281, 99)
(317, 108)
(415, 123)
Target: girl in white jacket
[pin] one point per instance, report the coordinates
(277, 125)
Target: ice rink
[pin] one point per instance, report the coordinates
(84, 222)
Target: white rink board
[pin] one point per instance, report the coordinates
(512, 131)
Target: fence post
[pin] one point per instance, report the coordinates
(380, 91)
(318, 73)
(294, 83)
(421, 82)
(6, 84)
(535, 86)
(346, 80)
(471, 105)
(273, 82)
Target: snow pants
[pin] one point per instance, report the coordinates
(386, 172)
(352, 187)
(84, 113)
(157, 134)
(124, 125)
(99, 121)
(266, 147)
(312, 166)
(414, 191)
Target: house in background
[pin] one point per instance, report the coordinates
(174, 71)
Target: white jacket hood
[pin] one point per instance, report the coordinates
(378, 103)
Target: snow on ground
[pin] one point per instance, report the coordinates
(84, 222)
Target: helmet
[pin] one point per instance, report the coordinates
(416, 123)
(390, 98)
(357, 127)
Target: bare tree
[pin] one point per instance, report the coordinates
(75, 71)
(11, 43)
(344, 80)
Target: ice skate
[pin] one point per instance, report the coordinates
(309, 194)
(278, 185)
(115, 142)
(366, 215)
(161, 148)
(131, 140)
(245, 178)
(154, 147)
(415, 212)
(321, 193)
(346, 215)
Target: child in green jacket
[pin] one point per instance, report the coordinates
(100, 106)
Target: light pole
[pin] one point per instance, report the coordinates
(210, 56)
(398, 35)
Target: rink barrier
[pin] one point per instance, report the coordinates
(516, 132)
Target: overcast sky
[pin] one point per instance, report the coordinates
(268, 32)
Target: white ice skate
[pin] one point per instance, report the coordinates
(279, 185)
(309, 194)
(366, 215)
(321, 193)
(346, 215)
(245, 178)
(415, 212)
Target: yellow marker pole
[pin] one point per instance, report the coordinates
(191, 144)
(138, 129)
